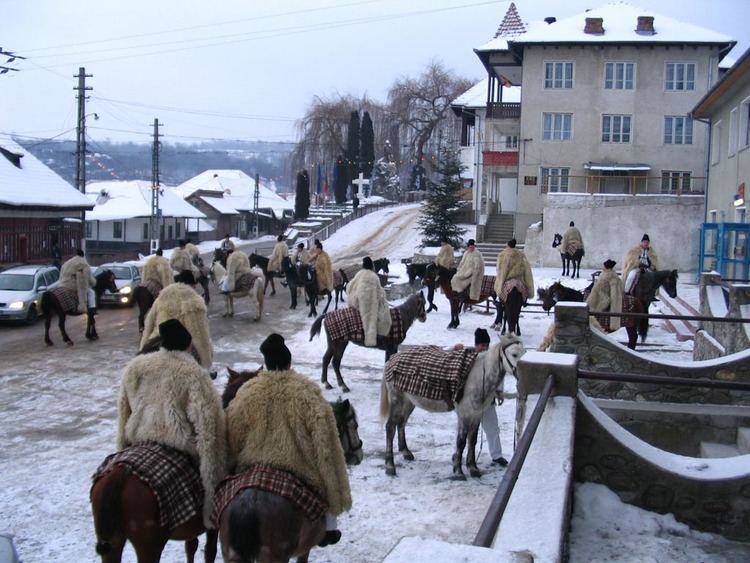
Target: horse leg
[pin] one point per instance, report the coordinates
(454, 313)
(326, 360)
(390, 430)
(401, 426)
(91, 325)
(337, 368)
(273, 285)
(327, 304)
(293, 293)
(61, 325)
(231, 305)
(47, 322)
(458, 474)
(191, 546)
(430, 297)
(471, 459)
(211, 547)
(632, 337)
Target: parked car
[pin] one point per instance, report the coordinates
(21, 290)
(127, 278)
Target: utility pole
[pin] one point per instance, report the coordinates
(256, 198)
(81, 143)
(154, 224)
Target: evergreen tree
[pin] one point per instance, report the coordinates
(367, 145)
(340, 180)
(353, 148)
(302, 199)
(439, 216)
(384, 179)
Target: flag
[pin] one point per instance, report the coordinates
(317, 188)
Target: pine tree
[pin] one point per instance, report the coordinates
(302, 197)
(353, 156)
(384, 179)
(442, 208)
(340, 180)
(367, 145)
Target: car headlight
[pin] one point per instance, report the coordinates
(126, 290)
(16, 305)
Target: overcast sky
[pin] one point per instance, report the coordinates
(247, 69)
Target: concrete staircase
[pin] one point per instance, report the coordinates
(716, 449)
(499, 229)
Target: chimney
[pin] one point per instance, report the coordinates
(550, 19)
(645, 25)
(594, 26)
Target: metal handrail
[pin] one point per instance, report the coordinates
(491, 521)
(664, 379)
(334, 226)
(672, 317)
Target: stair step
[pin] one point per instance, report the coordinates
(717, 450)
(743, 440)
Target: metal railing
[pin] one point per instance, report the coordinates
(501, 110)
(494, 515)
(671, 317)
(664, 380)
(625, 185)
(334, 226)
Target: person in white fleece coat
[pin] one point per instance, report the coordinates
(368, 297)
(470, 272)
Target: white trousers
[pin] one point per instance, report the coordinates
(91, 298)
(630, 280)
(491, 431)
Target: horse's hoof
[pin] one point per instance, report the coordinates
(345, 389)
(69, 343)
(458, 477)
(273, 293)
(408, 456)
(474, 472)
(328, 386)
(390, 470)
(49, 343)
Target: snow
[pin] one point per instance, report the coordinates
(717, 304)
(476, 96)
(34, 184)
(222, 205)
(421, 550)
(128, 199)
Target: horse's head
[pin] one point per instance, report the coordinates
(421, 302)
(547, 297)
(348, 427)
(670, 284)
(557, 241)
(511, 349)
(253, 258)
(412, 273)
(236, 380)
(106, 280)
(381, 264)
(430, 274)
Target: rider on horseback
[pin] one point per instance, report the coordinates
(182, 262)
(445, 258)
(323, 267)
(281, 419)
(280, 251)
(637, 259)
(301, 255)
(467, 281)
(75, 275)
(368, 297)
(157, 272)
(238, 264)
(513, 270)
(226, 244)
(572, 240)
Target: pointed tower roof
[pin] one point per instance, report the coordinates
(511, 24)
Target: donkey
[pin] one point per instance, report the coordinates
(254, 290)
(484, 379)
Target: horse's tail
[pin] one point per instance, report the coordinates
(244, 527)
(316, 326)
(109, 507)
(385, 404)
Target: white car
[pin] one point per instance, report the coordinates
(127, 278)
(21, 290)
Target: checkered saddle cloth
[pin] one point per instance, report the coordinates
(67, 298)
(431, 372)
(245, 282)
(630, 304)
(307, 498)
(346, 324)
(172, 475)
(153, 287)
(508, 287)
(488, 287)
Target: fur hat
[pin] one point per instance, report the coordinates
(645, 237)
(471, 242)
(609, 264)
(279, 238)
(367, 263)
(276, 355)
(79, 252)
(481, 336)
(174, 336)
(572, 224)
(301, 245)
(512, 243)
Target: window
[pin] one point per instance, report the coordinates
(680, 76)
(558, 75)
(557, 126)
(145, 231)
(169, 232)
(675, 181)
(178, 230)
(732, 133)
(511, 142)
(740, 214)
(619, 76)
(89, 229)
(716, 142)
(615, 128)
(745, 123)
(555, 179)
(678, 130)
(117, 229)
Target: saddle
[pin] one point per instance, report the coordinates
(67, 298)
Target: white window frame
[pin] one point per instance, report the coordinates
(716, 142)
(615, 128)
(89, 229)
(116, 224)
(671, 132)
(740, 214)
(623, 80)
(554, 133)
(510, 142)
(733, 134)
(675, 181)
(744, 138)
(688, 85)
(559, 82)
(560, 173)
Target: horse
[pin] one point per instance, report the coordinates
(569, 259)
(484, 379)
(262, 263)
(50, 305)
(312, 291)
(293, 279)
(145, 300)
(643, 294)
(255, 292)
(410, 310)
(220, 255)
(259, 522)
(188, 278)
(558, 292)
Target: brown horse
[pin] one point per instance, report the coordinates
(50, 306)
(261, 526)
(145, 300)
(644, 293)
(310, 282)
(262, 263)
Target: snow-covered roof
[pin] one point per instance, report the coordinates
(496, 44)
(476, 96)
(222, 205)
(619, 22)
(34, 184)
(127, 199)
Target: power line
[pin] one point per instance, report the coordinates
(199, 112)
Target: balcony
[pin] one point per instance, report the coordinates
(500, 158)
(627, 185)
(499, 110)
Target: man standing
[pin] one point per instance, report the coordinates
(467, 280)
(56, 254)
(513, 270)
(75, 275)
(323, 267)
(182, 263)
(606, 296)
(368, 297)
(445, 258)
(572, 240)
(640, 257)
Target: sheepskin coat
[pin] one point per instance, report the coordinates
(445, 257)
(324, 271)
(157, 269)
(571, 238)
(227, 244)
(238, 264)
(75, 275)
(512, 264)
(368, 297)
(181, 261)
(469, 274)
(167, 397)
(302, 256)
(181, 302)
(281, 418)
(632, 259)
(280, 251)
(606, 295)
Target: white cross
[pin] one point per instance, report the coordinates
(361, 182)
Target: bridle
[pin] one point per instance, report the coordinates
(506, 360)
(344, 430)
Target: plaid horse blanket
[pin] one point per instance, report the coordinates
(508, 287)
(346, 324)
(431, 372)
(301, 494)
(153, 287)
(245, 282)
(172, 475)
(488, 287)
(67, 298)
(630, 304)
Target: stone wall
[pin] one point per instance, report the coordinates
(720, 339)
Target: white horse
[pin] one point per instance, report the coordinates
(483, 382)
(218, 274)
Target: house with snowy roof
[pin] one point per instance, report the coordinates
(118, 228)
(227, 197)
(37, 209)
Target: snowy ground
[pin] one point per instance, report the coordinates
(57, 422)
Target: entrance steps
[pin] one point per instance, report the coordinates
(490, 250)
(499, 228)
(717, 449)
